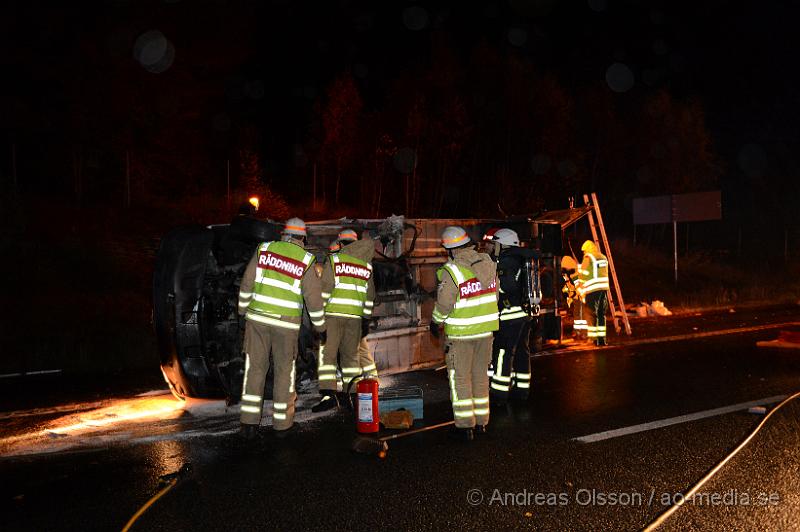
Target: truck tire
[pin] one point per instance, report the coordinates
(177, 309)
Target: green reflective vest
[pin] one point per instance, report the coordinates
(279, 273)
(593, 274)
(474, 314)
(350, 281)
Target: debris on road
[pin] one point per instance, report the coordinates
(656, 308)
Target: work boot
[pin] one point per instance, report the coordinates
(601, 341)
(480, 430)
(248, 431)
(327, 402)
(460, 434)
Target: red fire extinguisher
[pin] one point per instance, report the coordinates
(368, 418)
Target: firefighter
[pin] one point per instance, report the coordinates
(593, 288)
(569, 268)
(365, 358)
(348, 290)
(277, 280)
(511, 375)
(466, 303)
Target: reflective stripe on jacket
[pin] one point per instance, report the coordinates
(349, 297)
(593, 273)
(474, 313)
(277, 289)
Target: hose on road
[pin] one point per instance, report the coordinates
(658, 521)
(168, 481)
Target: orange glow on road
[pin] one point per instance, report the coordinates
(120, 412)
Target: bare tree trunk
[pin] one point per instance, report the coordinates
(338, 179)
(14, 166)
(376, 177)
(77, 173)
(127, 178)
(380, 192)
(314, 188)
(406, 184)
(414, 184)
(471, 192)
(324, 187)
(444, 186)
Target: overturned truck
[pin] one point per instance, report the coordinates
(199, 268)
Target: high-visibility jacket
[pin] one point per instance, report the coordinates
(474, 313)
(277, 289)
(349, 297)
(593, 273)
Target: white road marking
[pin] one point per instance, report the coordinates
(43, 372)
(37, 372)
(633, 429)
(657, 340)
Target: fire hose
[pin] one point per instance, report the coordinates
(168, 482)
(658, 521)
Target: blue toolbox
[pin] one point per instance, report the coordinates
(409, 398)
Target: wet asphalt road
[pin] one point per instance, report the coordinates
(528, 473)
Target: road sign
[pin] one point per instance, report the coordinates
(697, 207)
(694, 207)
(652, 210)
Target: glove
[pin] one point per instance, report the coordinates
(364, 327)
(322, 337)
(435, 329)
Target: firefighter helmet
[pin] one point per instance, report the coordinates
(506, 237)
(335, 246)
(454, 236)
(589, 247)
(295, 226)
(568, 263)
(347, 235)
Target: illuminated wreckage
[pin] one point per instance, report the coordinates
(199, 268)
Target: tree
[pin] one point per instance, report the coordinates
(341, 120)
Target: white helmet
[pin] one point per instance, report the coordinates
(506, 237)
(295, 226)
(454, 236)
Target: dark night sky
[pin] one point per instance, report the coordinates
(265, 63)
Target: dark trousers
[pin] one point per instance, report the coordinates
(597, 303)
(579, 321)
(511, 360)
